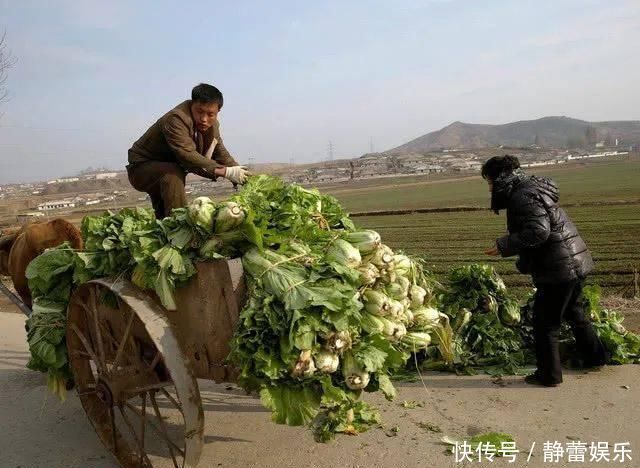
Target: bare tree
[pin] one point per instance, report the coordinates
(6, 62)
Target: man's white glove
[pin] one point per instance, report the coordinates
(236, 174)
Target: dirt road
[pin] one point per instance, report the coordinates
(40, 432)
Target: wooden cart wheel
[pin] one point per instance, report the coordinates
(131, 376)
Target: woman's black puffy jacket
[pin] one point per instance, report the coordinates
(540, 232)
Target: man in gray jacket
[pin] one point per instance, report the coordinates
(185, 139)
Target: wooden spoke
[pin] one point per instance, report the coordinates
(80, 354)
(148, 388)
(170, 397)
(96, 324)
(86, 309)
(124, 340)
(89, 314)
(114, 438)
(144, 418)
(139, 442)
(109, 333)
(92, 316)
(134, 354)
(87, 346)
(163, 426)
(155, 361)
(155, 428)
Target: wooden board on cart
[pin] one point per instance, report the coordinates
(206, 316)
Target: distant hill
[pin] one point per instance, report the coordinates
(557, 132)
(84, 186)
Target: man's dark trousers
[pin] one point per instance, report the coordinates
(163, 181)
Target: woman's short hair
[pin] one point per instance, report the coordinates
(499, 165)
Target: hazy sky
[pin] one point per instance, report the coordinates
(91, 76)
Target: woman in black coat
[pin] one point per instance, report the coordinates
(550, 249)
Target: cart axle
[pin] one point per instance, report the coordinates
(103, 392)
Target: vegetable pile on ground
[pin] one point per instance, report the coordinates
(488, 331)
(485, 326)
(623, 345)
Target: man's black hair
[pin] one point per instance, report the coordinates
(207, 94)
(498, 165)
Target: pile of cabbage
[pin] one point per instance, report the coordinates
(622, 344)
(485, 330)
(332, 311)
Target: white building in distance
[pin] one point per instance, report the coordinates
(101, 175)
(56, 205)
(63, 179)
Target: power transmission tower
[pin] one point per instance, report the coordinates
(371, 147)
(330, 151)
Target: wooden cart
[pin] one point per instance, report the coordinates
(135, 364)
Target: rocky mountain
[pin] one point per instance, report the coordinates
(556, 132)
